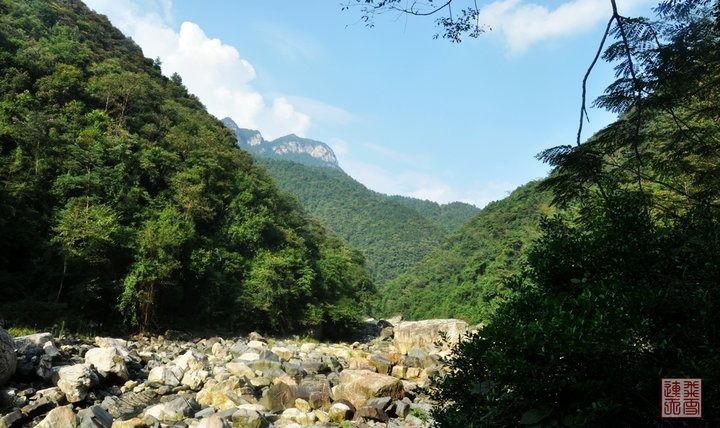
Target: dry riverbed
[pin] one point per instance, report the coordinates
(177, 381)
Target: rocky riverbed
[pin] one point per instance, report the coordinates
(178, 381)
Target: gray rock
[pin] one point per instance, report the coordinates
(129, 405)
(169, 375)
(75, 381)
(51, 350)
(372, 413)
(44, 369)
(204, 413)
(95, 417)
(269, 368)
(171, 411)
(11, 419)
(381, 403)
(37, 340)
(38, 407)
(402, 409)
(8, 359)
(55, 394)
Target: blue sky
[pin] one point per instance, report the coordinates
(406, 114)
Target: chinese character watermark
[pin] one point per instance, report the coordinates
(681, 398)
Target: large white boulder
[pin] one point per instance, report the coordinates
(418, 334)
(108, 362)
(358, 386)
(75, 381)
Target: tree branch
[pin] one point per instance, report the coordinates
(583, 109)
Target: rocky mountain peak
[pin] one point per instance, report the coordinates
(290, 147)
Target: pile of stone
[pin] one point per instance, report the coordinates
(216, 382)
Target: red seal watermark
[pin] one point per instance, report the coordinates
(681, 398)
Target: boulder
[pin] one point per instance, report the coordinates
(119, 344)
(8, 359)
(11, 419)
(372, 413)
(417, 334)
(38, 407)
(36, 340)
(245, 417)
(240, 369)
(59, 417)
(381, 364)
(75, 381)
(109, 362)
(341, 411)
(297, 416)
(129, 405)
(95, 417)
(281, 396)
(130, 423)
(171, 411)
(358, 386)
(170, 375)
(213, 422)
(221, 395)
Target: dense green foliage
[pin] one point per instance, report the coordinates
(465, 276)
(627, 291)
(392, 235)
(122, 199)
(448, 216)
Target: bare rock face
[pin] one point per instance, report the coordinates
(417, 334)
(8, 359)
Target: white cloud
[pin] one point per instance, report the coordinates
(223, 82)
(523, 24)
(322, 112)
(426, 186)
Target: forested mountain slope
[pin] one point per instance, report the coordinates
(448, 216)
(121, 198)
(465, 276)
(392, 233)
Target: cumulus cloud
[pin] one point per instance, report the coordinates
(523, 24)
(223, 82)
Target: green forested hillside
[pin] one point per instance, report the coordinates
(393, 236)
(448, 216)
(122, 199)
(465, 276)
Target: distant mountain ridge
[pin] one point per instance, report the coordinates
(290, 147)
(465, 276)
(394, 233)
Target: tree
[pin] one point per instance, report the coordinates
(623, 289)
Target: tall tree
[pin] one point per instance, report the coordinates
(626, 291)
